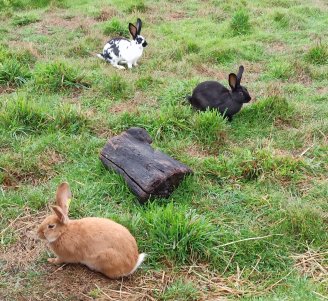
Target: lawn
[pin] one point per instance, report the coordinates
(250, 223)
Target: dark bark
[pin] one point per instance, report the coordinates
(148, 172)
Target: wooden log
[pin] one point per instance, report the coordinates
(148, 172)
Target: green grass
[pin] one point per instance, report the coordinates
(138, 6)
(26, 116)
(180, 291)
(29, 4)
(115, 27)
(318, 54)
(13, 73)
(58, 76)
(257, 199)
(22, 20)
(240, 24)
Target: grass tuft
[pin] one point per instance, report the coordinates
(318, 54)
(282, 70)
(145, 82)
(116, 87)
(25, 20)
(268, 111)
(281, 19)
(209, 127)
(116, 27)
(180, 290)
(240, 24)
(223, 55)
(23, 56)
(22, 116)
(84, 48)
(58, 76)
(258, 164)
(177, 233)
(13, 73)
(137, 6)
(306, 223)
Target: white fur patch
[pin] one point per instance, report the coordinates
(49, 238)
(140, 260)
(91, 267)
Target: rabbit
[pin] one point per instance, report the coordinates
(211, 94)
(121, 50)
(99, 243)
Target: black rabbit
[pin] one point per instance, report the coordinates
(212, 94)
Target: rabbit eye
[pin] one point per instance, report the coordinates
(51, 226)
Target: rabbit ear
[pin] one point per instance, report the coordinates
(232, 81)
(63, 218)
(240, 73)
(63, 197)
(133, 30)
(138, 25)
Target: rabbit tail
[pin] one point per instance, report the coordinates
(140, 260)
(101, 56)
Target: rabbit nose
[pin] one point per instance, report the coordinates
(41, 234)
(144, 44)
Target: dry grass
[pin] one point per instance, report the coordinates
(56, 19)
(313, 264)
(27, 248)
(105, 14)
(14, 177)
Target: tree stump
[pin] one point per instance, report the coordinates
(148, 172)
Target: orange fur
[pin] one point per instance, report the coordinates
(99, 243)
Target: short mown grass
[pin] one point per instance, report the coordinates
(257, 198)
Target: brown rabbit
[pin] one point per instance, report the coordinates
(99, 243)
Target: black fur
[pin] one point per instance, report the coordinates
(213, 95)
(138, 25)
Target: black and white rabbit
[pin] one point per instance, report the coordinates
(213, 95)
(120, 50)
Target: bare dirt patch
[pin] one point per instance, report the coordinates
(177, 15)
(15, 176)
(13, 179)
(132, 105)
(196, 151)
(279, 47)
(302, 74)
(106, 13)
(6, 89)
(49, 158)
(58, 19)
(27, 247)
(208, 71)
(322, 90)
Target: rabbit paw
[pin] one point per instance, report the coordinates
(55, 260)
(119, 67)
